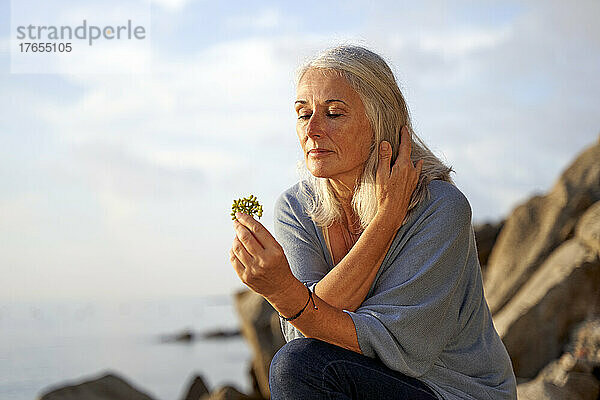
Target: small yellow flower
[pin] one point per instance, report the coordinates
(247, 205)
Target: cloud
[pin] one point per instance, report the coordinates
(461, 43)
(265, 19)
(197, 96)
(119, 170)
(172, 5)
(4, 45)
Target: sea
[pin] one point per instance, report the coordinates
(45, 345)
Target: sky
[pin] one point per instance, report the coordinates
(119, 185)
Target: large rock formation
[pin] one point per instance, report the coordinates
(106, 387)
(197, 389)
(485, 236)
(539, 226)
(228, 393)
(564, 290)
(556, 262)
(588, 227)
(260, 326)
(535, 324)
(112, 387)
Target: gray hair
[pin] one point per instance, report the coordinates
(387, 112)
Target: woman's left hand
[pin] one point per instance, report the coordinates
(258, 258)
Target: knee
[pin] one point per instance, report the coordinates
(293, 359)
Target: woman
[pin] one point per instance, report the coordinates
(374, 271)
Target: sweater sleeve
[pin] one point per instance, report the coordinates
(296, 233)
(413, 310)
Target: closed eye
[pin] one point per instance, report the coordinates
(330, 115)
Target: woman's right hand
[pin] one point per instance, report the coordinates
(395, 184)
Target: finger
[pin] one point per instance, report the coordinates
(261, 234)
(247, 238)
(405, 144)
(241, 253)
(237, 265)
(385, 156)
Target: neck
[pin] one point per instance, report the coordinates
(344, 193)
(344, 185)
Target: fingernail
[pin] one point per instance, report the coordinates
(384, 146)
(238, 214)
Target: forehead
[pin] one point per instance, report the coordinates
(320, 85)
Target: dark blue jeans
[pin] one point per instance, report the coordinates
(312, 369)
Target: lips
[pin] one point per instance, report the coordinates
(318, 151)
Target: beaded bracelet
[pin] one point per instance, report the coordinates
(310, 298)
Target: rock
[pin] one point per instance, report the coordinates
(227, 393)
(485, 236)
(535, 324)
(262, 331)
(186, 336)
(221, 334)
(254, 379)
(585, 344)
(106, 387)
(588, 227)
(197, 389)
(537, 227)
(563, 379)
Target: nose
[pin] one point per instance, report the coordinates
(314, 126)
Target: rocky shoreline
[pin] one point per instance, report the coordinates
(541, 271)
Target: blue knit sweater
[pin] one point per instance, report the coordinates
(425, 314)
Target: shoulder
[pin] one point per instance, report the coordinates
(447, 202)
(290, 215)
(290, 193)
(293, 198)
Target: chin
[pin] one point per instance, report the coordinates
(320, 175)
(319, 172)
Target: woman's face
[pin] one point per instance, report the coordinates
(332, 126)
